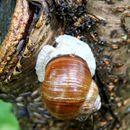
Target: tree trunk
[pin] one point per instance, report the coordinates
(9, 5)
(109, 38)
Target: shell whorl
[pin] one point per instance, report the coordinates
(91, 104)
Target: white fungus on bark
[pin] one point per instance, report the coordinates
(66, 44)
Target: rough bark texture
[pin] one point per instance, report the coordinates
(113, 70)
(114, 64)
(4, 19)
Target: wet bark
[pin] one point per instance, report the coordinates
(112, 53)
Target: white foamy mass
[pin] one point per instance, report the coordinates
(66, 44)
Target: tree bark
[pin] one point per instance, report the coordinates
(111, 48)
(5, 19)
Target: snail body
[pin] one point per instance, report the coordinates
(68, 89)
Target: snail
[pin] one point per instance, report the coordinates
(66, 73)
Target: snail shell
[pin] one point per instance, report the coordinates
(66, 72)
(91, 104)
(67, 81)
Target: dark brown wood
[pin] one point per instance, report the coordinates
(39, 35)
(6, 7)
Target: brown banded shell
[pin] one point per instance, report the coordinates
(66, 83)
